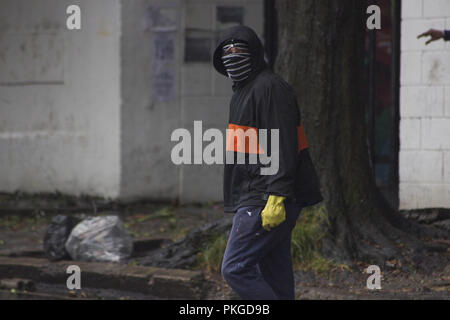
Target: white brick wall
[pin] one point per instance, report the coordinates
(424, 161)
(435, 8)
(410, 133)
(419, 101)
(413, 9)
(447, 166)
(412, 168)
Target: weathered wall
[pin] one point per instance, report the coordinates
(425, 107)
(59, 98)
(146, 124)
(200, 94)
(77, 109)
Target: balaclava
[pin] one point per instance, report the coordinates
(238, 65)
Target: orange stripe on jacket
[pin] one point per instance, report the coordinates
(243, 139)
(236, 135)
(301, 138)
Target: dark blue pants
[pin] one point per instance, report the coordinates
(257, 263)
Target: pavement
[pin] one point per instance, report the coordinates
(25, 218)
(22, 260)
(158, 283)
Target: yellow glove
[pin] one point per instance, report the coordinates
(274, 213)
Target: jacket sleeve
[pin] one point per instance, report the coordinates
(279, 111)
(447, 35)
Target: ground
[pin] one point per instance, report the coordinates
(23, 223)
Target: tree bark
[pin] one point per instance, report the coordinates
(321, 54)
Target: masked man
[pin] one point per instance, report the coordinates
(257, 261)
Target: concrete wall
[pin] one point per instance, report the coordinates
(425, 107)
(60, 98)
(200, 94)
(146, 124)
(77, 109)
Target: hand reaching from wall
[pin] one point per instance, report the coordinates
(434, 34)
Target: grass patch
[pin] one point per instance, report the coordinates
(211, 257)
(133, 263)
(306, 244)
(165, 213)
(179, 233)
(18, 222)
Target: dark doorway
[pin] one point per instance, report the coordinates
(382, 98)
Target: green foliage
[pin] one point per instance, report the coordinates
(179, 233)
(306, 243)
(16, 222)
(211, 257)
(165, 212)
(308, 233)
(133, 263)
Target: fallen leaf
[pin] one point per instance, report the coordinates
(72, 294)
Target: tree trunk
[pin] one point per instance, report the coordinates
(321, 54)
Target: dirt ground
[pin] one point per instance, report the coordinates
(346, 285)
(24, 230)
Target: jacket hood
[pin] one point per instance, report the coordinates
(246, 34)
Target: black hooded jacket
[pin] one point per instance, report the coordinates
(264, 101)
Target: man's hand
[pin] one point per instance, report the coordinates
(274, 213)
(434, 34)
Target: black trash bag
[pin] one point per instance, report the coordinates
(56, 236)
